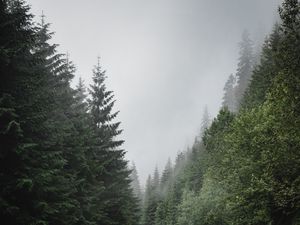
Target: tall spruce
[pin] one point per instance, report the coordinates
(110, 167)
(166, 177)
(265, 72)
(245, 67)
(152, 199)
(35, 194)
(229, 98)
(135, 183)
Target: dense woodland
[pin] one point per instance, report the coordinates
(244, 167)
(61, 161)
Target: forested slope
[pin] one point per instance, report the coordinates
(245, 168)
(61, 161)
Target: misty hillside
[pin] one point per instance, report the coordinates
(63, 159)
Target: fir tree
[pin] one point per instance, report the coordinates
(152, 199)
(229, 98)
(264, 73)
(135, 183)
(40, 186)
(166, 177)
(205, 121)
(245, 67)
(110, 167)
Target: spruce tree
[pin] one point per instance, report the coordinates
(166, 177)
(110, 168)
(245, 67)
(148, 210)
(152, 199)
(264, 73)
(229, 98)
(205, 121)
(135, 183)
(60, 71)
(39, 186)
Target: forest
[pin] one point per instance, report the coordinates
(61, 155)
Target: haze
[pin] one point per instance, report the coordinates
(165, 60)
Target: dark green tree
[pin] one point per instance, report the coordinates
(152, 199)
(110, 169)
(264, 73)
(166, 177)
(135, 183)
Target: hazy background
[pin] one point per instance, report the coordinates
(165, 60)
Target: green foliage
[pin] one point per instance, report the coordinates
(245, 68)
(264, 73)
(245, 169)
(135, 183)
(229, 98)
(57, 164)
(60, 156)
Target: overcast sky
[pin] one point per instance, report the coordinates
(165, 60)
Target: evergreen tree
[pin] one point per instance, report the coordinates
(60, 71)
(166, 177)
(263, 74)
(62, 159)
(149, 208)
(81, 95)
(135, 183)
(36, 193)
(60, 156)
(188, 213)
(229, 98)
(205, 121)
(152, 199)
(156, 180)
(15, 43)
(109, 165)
(245, 67)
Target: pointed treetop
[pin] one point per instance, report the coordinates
(81, 86)
(133, 164)
(67, 57)
(245, 67)
(166, 176)
(156, 177)
(135, 183)
(229, 98)
(43, 18)
(169, 163)
(98, 62)
(205, 121)
(98, 73)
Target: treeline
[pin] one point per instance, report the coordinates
(245, 168)
(61, 161)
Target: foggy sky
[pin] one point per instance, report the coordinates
(165, 60)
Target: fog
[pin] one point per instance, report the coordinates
(165, 60)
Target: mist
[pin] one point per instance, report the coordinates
(165, 61)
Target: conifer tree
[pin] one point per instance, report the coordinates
(156, 180)
(148, 209)
(152, 199)
(135, 183)
(245, 67)
(264, 73)
(166, 177)
(205, 121)
(109, 165)
(41, 162)
(229, 98)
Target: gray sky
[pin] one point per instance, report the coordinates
(165, 60)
